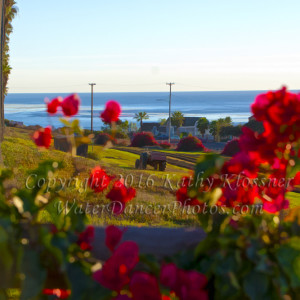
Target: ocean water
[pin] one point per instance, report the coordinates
(31, 110)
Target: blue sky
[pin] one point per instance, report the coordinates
(137, 45)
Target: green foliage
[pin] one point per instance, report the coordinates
(202, 125)
(140, 117)
(253, 256)
(213, 128)
(163, 122)
(230, 130)
(33, 256)
(255, 126)
(177, 119)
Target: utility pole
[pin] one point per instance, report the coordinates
(170, 84)
(92, 104)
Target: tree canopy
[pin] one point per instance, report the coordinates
(177, 118)
(202, 125)
(140, 116)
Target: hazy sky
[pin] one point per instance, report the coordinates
(138, 45)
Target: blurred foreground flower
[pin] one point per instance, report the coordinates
(60, 294)
(186, 284)
(112, 112)
(53, 105)
(113, 237)
(99, 180)
(86, 238)
(120, 195)
(70, 105)
(42, 137)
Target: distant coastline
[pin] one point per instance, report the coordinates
(29, 108)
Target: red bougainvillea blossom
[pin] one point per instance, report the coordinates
(122, 297)
(86, 238)
(99, 180)
(58, 293)
(144, 286)
(187, 285)
(272, 151)
(113, 237)
(111, 112)
(115, 273)
(53, 105)
(182, 195)
(70, 105)
(120, 195)
(42, 137)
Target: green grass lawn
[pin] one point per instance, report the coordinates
(154, 188)
(294, 199)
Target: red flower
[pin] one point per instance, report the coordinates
(60, 294)
(144, 286)
(99, 180)
(70, 105)
(113, 237)
(182, 193)
(187, 285)
(115, 272)
(112, 112)
(86, 238)
(238, 196)
(185, 200)
(296, 180)
(241, 163)
(122, 297)
(273, 198)
(280, 107)
(120, 195)
(53, 105)
(279, 112)
(42, 137)
(168, 276)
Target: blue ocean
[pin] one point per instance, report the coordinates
(30, 108)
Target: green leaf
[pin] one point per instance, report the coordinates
(6, 259)
(207, 165)
(35, 275)
(289, 260)
(256, 285)
(65, 122)
(83, 288)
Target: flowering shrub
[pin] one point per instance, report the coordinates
(165, 145)
(102, 139)
(243, 250)
(231, 148)
(143, 139)
(190, 143)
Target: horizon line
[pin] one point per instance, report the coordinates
(162, 91)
